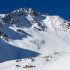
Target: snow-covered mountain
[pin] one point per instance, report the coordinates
(33, 41)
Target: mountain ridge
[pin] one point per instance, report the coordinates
(31, 39)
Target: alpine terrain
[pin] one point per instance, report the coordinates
(30, 40)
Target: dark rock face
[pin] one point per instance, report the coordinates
(5, 37)
(35, 13)
(7, 18)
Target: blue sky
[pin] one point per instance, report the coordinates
(53, 7)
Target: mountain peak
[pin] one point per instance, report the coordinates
(36, 40)
(28, 17)
(26, 10)
(18, 13)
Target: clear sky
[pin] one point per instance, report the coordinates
(53, 7)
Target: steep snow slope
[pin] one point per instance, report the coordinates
(37, 39)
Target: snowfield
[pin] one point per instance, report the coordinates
(62, 64)
(33, 41)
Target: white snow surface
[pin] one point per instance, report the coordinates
(41, 41)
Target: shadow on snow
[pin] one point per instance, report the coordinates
(10, 52)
